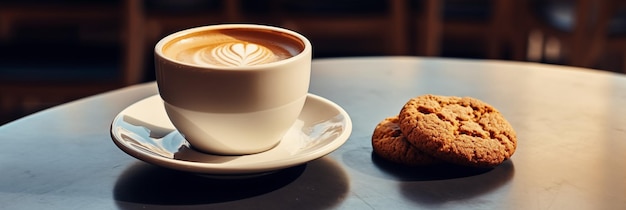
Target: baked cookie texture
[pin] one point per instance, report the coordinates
(464, 131)
(389, 143)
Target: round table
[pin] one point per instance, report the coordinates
(571, 154)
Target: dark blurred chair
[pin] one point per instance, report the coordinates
(552, 30)
(565, 31)
(569, 32)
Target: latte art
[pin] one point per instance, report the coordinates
(234, 54)
(238, 47)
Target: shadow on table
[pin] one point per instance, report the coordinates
(428, 173)
(458, 189)
(316, 184)
(438, 184)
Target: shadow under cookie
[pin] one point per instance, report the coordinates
(440, 171)
(440, 193)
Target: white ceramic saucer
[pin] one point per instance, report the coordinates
(144, 131)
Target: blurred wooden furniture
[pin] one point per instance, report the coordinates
(369, 26)
(553, 31)
(55, 30)
(576, 33)
(608, 35)
(427, 24)
(486, 23)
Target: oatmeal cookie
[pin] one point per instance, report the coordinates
(389, 143)
(464, 131)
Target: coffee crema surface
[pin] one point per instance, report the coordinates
(233, 47)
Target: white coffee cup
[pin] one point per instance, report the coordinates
(233, 89)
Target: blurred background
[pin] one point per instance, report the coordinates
(52, 52)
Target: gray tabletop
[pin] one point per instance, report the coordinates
(571, 126)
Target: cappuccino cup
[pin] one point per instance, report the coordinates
(233, 89)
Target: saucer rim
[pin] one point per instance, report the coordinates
(239, 169)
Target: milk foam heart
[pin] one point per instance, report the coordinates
(234, 54)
